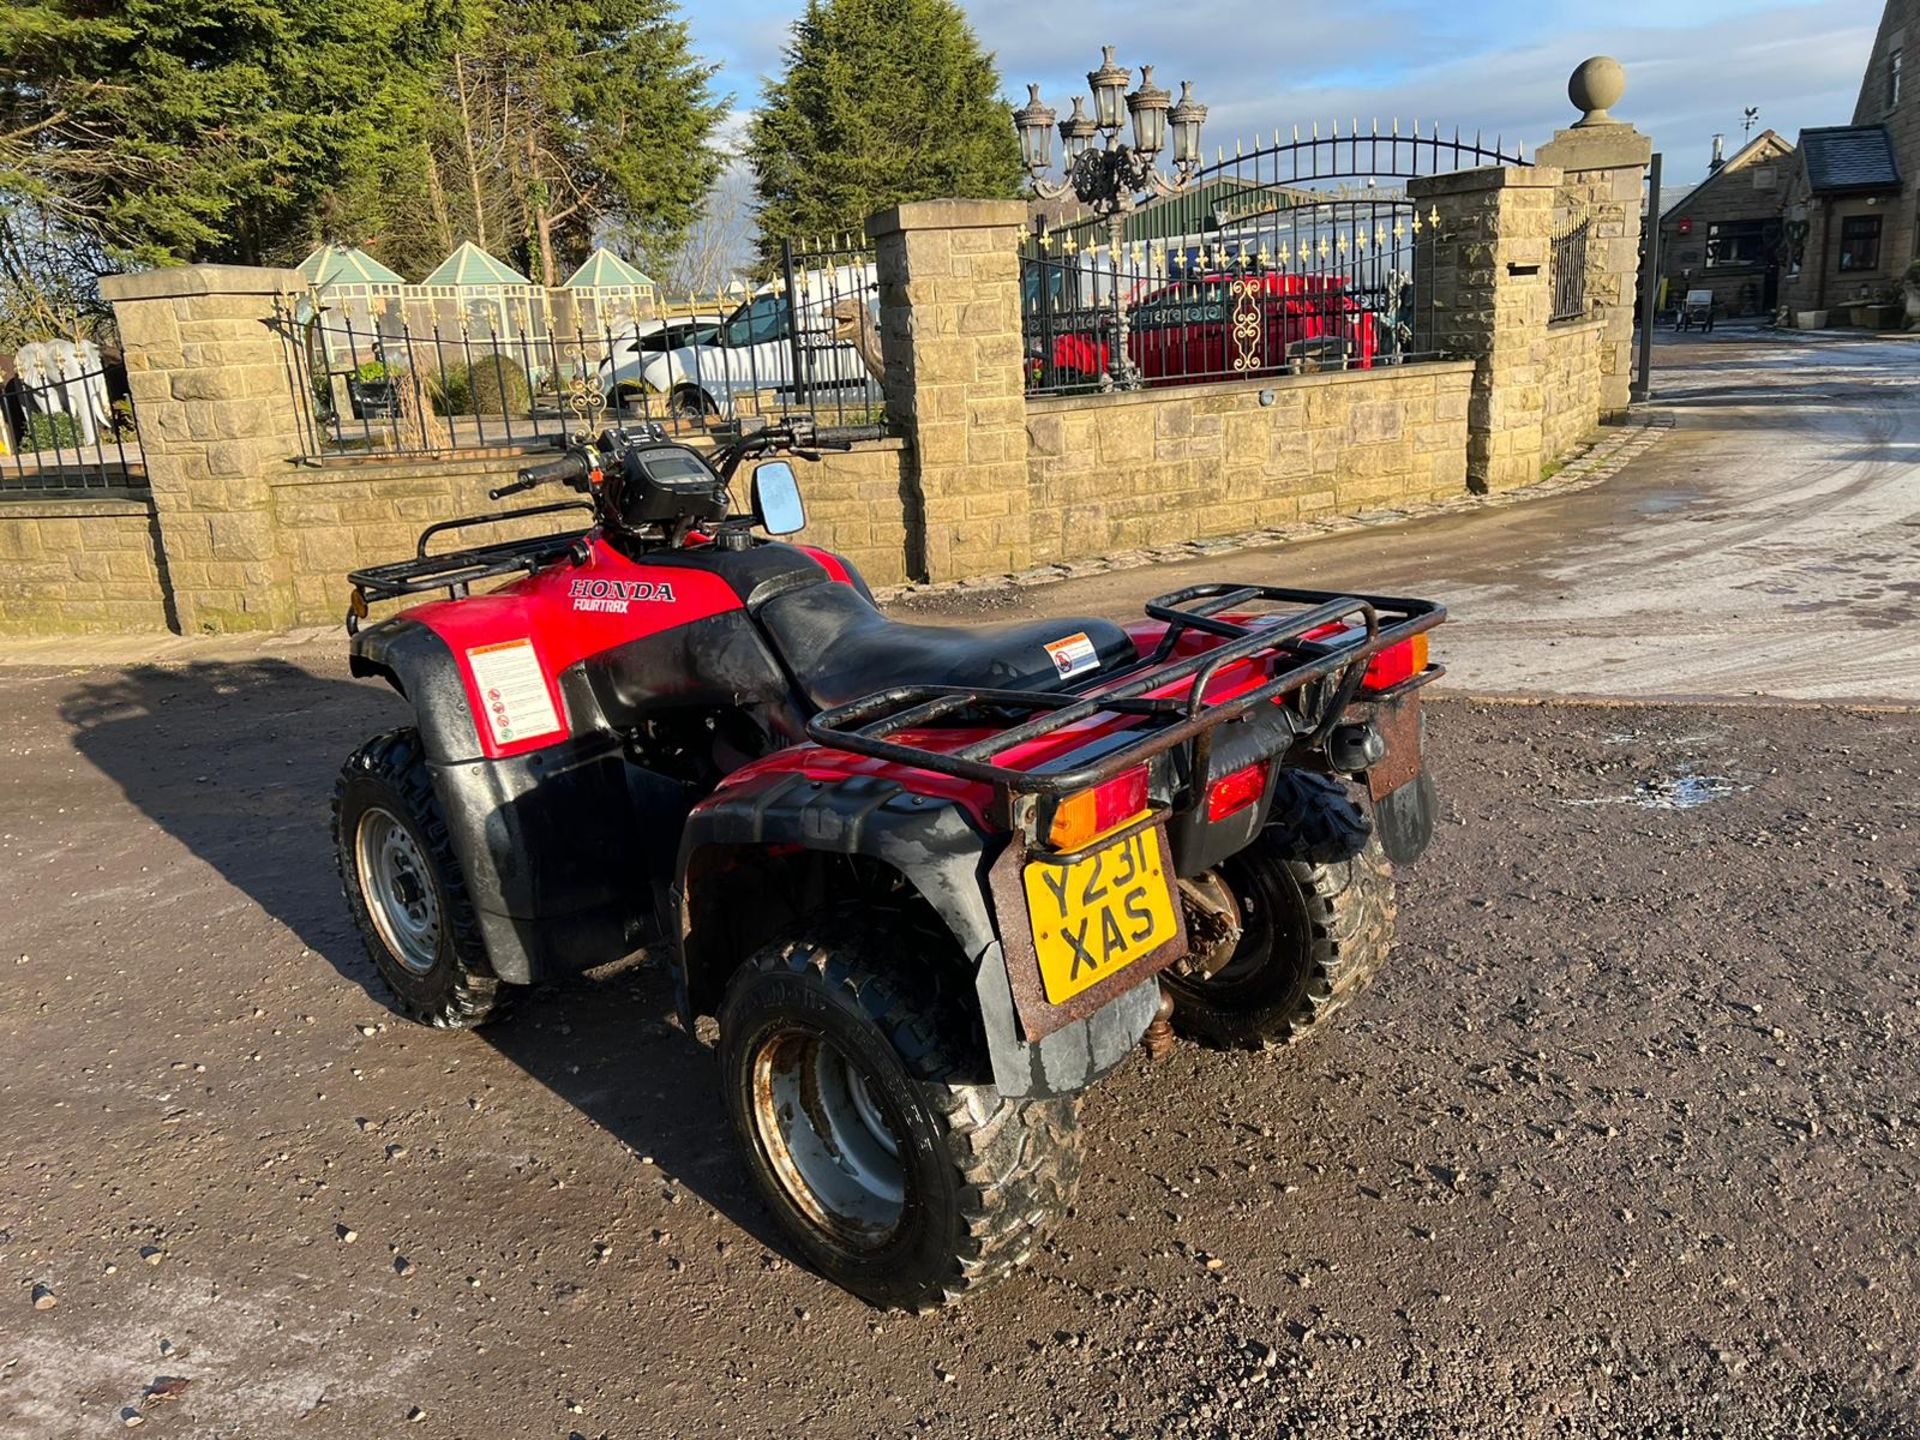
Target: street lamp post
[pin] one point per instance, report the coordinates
(1108, 178)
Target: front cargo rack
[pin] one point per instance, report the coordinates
(870, 725)
(455, 571)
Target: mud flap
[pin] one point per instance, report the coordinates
(1404, 819)
(1405, 803)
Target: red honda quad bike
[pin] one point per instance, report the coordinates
(932, 881)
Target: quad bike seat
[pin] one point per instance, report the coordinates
(839, 648)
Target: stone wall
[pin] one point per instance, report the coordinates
(80, 566)
(982, 481)
(1603, 172)
(1154, 467)
(209, 381)
(857, 507)
(330, 519)
(1489, 257)
(1570, 385)
(949, 278)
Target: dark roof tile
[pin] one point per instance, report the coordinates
(1843, 159)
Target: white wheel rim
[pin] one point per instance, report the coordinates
(398, 885)
(828, 1138)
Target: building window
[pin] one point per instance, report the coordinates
(1733, 243)
(1893, 78)
(1860, 242)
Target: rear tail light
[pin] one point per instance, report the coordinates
(1090, 814)
(1396, 663)
(1231, 794)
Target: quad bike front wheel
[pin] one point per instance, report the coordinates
(1312, 901)
(403, 885)
(894, 1177)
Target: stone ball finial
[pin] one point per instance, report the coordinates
(1596, 86)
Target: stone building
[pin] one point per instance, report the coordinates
(1723, 235)
(1850, 222)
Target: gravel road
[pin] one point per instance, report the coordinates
(1623, 1143)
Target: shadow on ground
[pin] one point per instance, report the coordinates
(237, 761)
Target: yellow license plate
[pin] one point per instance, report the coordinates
(1098, 914)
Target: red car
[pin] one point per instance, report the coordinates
(1214, 327)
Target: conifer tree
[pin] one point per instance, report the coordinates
(881, 101)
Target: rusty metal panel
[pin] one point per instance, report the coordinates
(1398, 723)
(1038, 1016)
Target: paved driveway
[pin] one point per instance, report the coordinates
(1770, 544)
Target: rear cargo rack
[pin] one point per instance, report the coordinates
(870, 726)
(455, 571)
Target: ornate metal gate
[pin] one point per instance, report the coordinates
(1301, 253)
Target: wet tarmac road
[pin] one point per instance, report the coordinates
(1769, 545)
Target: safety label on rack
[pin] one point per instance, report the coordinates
(513, 692)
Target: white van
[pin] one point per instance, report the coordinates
(632, 346)
(758, 347)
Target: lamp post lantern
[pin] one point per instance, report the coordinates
(1108, 179)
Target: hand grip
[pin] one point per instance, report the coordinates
(571, 466)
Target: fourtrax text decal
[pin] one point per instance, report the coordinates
(613, 596)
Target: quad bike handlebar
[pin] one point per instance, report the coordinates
(573, 467)
(795, 435)
(621, 502)
(583, 457)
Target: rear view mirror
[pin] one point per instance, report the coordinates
(776, 499)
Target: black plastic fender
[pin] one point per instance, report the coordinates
(561, 849)
(420, 665)
(935, 847)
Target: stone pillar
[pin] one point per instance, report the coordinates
(211, 395)
(949, 273)
(1603, 164)
(1488, 236)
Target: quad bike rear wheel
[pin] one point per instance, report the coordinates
(893, 1176)
(1312, 898)
(404, 887)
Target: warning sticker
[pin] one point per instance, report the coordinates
(1073, 654)
(513, 692)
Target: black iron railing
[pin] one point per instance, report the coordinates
(438, 375)
(835, 334)
(1569, 270)
(66, 421)
(1299, 255)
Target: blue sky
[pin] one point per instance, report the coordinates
(1692, 65)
